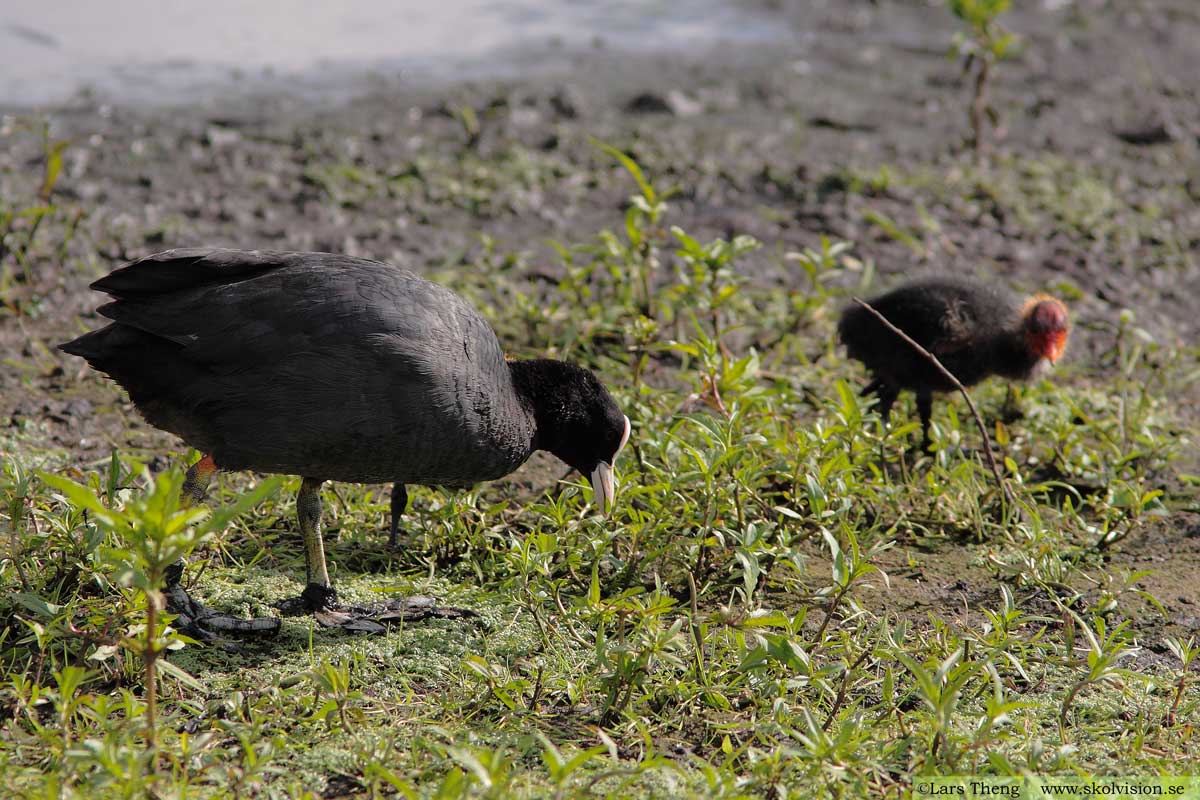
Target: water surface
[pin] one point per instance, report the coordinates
(169, 51)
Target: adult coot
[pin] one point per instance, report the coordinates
(336, 368)
(975, 330)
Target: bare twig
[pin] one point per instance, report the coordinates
(948, 375)
(979, 106)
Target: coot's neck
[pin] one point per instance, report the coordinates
(1012, 357)
(534, 380)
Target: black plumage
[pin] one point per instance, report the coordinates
(338, 368)
(975, 330)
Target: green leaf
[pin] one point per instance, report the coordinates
(787, 512)
(631, 167)
(37, 605)
(222, 516)
(691, 247)
(53, 168)
(83, 497)
(167, 668)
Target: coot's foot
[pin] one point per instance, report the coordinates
(376, 618)
(200, 622)
(321, 602)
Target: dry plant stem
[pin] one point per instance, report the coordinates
(843, 692)
(715, 395)
(532, 609)
(979, 109)
(149, 659)
(932, 359)
(818, 638)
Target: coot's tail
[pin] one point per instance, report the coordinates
(97, 346)
(139, 361)
(170, 392)
(188, 268)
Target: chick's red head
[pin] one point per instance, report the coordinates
(1046, 326)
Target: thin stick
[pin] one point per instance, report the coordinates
(932, 359)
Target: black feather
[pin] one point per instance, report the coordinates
(972, 328)
(332, 367)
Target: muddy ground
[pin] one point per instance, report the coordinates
(1095, 160)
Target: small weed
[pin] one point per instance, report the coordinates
(981, 46)
(23, 217)
(783, 603)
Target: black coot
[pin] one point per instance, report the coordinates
(974, 329)
(338, 368)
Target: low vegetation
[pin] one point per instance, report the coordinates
(790, 599)
(981, 45)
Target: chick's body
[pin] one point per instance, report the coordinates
(975, 330)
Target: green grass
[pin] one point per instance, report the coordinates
(36, 231)
(786, 602)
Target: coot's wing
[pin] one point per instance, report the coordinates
(916, 313)
(189, 268)
(326, 366)
(315, 316)
(239, 310)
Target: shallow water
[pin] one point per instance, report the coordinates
(169, 51)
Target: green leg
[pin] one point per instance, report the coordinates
(195, 487)
(308, 506)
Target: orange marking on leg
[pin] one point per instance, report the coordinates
(195, 483)
(205, 467)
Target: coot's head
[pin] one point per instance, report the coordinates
(577, 420)
(1045, 326)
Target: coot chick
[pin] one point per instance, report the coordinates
(974, 329)
(336, 368)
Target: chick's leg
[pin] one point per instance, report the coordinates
(885, 397)
(925, 410)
